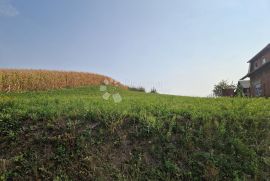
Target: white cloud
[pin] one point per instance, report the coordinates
(7, 9)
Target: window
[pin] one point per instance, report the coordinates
(256, 65)
(258, 89)
(263, 60)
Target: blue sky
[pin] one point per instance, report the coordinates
(179, 47)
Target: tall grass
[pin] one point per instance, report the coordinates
(74, 134)
(18, 80)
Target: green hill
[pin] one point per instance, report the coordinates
(75, 134)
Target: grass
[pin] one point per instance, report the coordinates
(74, 134)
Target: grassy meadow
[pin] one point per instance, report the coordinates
(74, 134)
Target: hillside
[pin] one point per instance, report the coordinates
(18, 80)
(75, 134)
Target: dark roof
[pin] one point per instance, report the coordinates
(244, 83)
(267, 48)
(244, 77)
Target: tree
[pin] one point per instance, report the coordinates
(239, 92)
(220, 86)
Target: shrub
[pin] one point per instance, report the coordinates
(218, 88)
(138, 89)
(153, 90)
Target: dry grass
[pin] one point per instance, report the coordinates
(18, 80)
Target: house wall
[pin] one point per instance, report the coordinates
(259, 61)
(228, 92)
(246, 92)
(263, 78)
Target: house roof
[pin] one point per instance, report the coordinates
(244, 83)
(267, 48)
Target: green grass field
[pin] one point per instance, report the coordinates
(74, 134)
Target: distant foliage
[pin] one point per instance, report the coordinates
(139, 89)
(220, 86)
(153, 90)
(33, 80)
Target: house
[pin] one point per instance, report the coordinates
(259, 73)
(244, 87)
(228, 92)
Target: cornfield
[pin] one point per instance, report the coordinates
(17, 80)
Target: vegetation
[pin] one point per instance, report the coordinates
(221, 86)
(139, 89)
(74, 134)
(153, 90)
(14, 80)
(239, 91)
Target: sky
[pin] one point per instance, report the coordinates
(179, 47)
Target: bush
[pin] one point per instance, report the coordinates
(153, 90)
(218, 88)
(138, 89)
